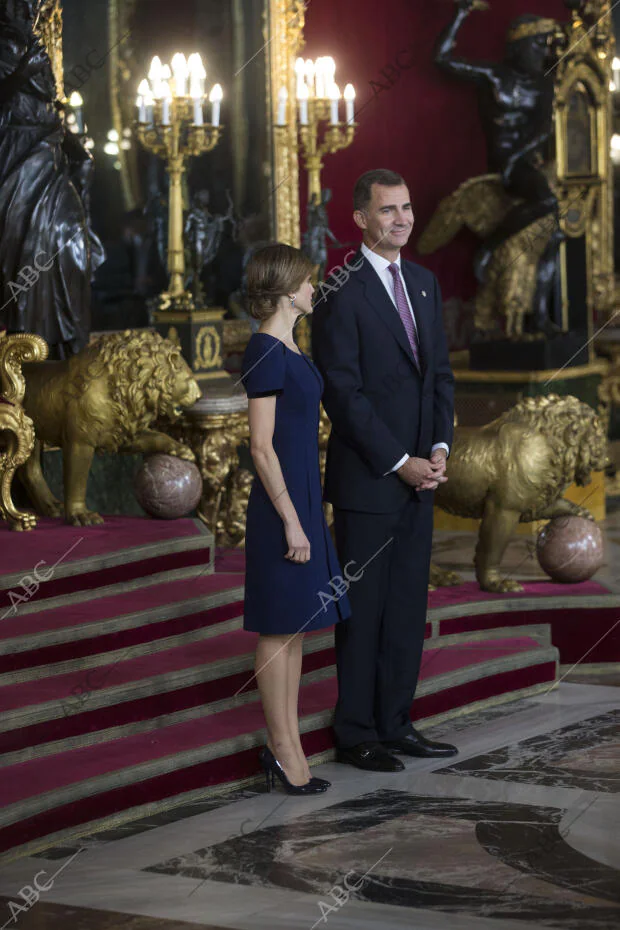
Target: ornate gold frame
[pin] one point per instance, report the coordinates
(284, 37)
(586, 202)
(49, 29)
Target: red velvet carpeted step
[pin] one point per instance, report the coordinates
(74, 560)
(217, 649)
(125, 601)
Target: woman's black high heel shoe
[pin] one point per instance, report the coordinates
(320, 781)
(272, 767)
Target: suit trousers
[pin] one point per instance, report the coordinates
(379, 648)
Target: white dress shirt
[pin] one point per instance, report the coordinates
(381, 265)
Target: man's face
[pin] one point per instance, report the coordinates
(388, 220)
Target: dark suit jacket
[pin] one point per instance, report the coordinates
(379, 405)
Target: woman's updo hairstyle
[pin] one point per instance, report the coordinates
(274, 271)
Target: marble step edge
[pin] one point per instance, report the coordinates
(144, 687)
(143, 771)
(515, 604)
(156, 684)
(136, 651)
(540, 632)
(89, 594)
(121, 622)
(201, 540)
(140, 812)
(199, 712)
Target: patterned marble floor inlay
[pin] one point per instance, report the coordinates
(494, 860)
(582, 755)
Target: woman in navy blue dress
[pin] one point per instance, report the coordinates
(293, 581)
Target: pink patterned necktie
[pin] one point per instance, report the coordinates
(404, 312)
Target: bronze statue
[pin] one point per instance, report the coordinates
(516, 469)
(46, 246)
(108, 398)
(314, 243)
(203, 236)
(516, 105)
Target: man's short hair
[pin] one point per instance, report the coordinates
(362, 192)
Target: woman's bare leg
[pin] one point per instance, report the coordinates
(294, 673)
(273, 658)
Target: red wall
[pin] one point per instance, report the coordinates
(426, 124)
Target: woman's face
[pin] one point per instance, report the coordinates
(303, 300)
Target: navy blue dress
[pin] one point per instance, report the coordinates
(282, 596)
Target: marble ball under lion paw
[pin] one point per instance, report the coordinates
(168, 487)
(570, 549)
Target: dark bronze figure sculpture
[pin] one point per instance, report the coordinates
(516, 104)
(48, 252)
(203, 235)
(315, 238)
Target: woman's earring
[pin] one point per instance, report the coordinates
(293, 299)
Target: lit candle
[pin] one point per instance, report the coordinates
(197, 75)
(309, 75)
(143, 91)
(334, 96)
(300, 69)
(302, 95)
(349, 96)
(165, 103)
(319, 78)
(76, 103)
(216, 98)
(149, 102)
(330, 70)
(198, 115)
(155, 71)
(180, 71)
(282, 99)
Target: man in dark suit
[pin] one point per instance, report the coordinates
(379, 343)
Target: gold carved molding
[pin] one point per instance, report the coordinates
(284, 35)
(586, 201)
(49, 30)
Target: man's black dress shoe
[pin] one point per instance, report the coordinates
(414, 744)
(370, 756)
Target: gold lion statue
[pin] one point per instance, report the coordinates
(107, 398)
(516, 469)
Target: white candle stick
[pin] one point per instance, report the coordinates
(149, 102)
(300, 68)
(215, 97)
(198, 114)
(76, 102)
(303, 95)
(165, 103)
(319, 78)
(349, 96)
(180, 71)
(309, 75)
(334, 96)
(282, 100)
(143, 91)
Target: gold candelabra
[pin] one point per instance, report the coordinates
(318, 100)
(171, 124)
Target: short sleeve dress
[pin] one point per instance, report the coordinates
(281, 596)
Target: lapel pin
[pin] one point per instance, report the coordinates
(423, 293)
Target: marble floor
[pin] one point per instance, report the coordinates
(520, 830)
